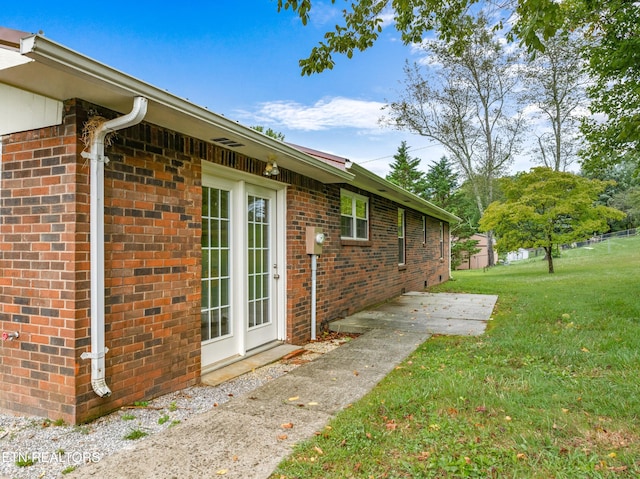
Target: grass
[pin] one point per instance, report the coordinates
(135, 434)
(25, 462)
(552, 390)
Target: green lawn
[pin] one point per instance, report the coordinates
(552, 390)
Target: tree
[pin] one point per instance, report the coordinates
(623, 194)
(442, 190)
(466, 106)
(611, 26)
(546, 208)
(269, 132)
(463, 249)
(614, 64)
(405, 172)
(441, 182)
(629, 202)
(532, 22)
(554, 83)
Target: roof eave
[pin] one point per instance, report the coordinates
(373, 183)
(165, 107)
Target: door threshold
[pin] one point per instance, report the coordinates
(235, 366)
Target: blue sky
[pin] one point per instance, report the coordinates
(240, 59)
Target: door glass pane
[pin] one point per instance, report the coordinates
(205, 232)
(215, 307)
(225, 325)
(215, 323)
(258, 260)
(204, 325)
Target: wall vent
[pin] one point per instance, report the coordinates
(227, 142)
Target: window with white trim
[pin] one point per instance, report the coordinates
(441, 240)
(354, 216)
(401, 237)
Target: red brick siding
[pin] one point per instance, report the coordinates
(152, 235)
(44, 269)
(152, 270)
(354, 275)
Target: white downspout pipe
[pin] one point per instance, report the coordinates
(314, 268)
(98, 160)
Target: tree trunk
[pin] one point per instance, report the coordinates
(547, 251)
(490, 259)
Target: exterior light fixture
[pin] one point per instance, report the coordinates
(272, 167)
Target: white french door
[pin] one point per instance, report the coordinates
(261, 267)
(217, 326)
(240, 281)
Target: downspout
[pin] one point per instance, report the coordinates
(98, 160)
(314, 269)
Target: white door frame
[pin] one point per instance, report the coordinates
(239, 181)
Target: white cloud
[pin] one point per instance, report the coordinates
(327, 113)
(323, 13)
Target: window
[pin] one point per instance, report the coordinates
(401, 230)
(441, 240)
(354, 216)
(216, 267)
(424, 230)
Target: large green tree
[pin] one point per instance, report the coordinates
(546, 208)
(405, 171)
(530, 21)
(554, 83)
(466, 103)
(623, 193)
(614, 65)
(611, 26)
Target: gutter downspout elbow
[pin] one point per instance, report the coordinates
(98, 160)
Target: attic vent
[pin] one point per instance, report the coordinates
(227, 142)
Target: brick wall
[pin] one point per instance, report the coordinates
(152, 236)
(152, 270)
(353, 275)
(44, 269)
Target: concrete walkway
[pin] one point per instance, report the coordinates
(436, 313)
(249, 436)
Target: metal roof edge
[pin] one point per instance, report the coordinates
(42, 49)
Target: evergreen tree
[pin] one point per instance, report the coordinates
(441, 182)
(405, 172)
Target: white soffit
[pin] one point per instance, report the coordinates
(22, 110)
(10, 58)
(71, 75)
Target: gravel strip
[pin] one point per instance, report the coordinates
(55, 448)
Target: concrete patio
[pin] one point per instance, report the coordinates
(244, 438)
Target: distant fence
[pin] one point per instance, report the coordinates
(534, 253)
(601, 238)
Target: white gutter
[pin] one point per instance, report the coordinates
(98, 160)
(114, 84)
(371, 182)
